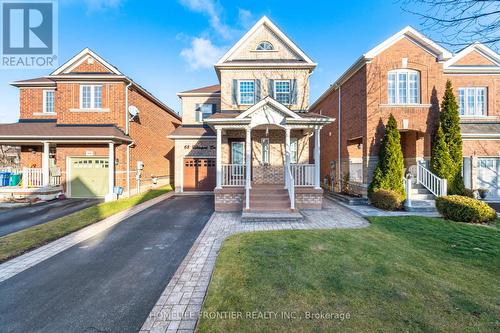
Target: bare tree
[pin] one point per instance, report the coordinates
(459, 22)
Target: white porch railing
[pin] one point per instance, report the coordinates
(290, 185)
(32, 177)
(437, 186)
(303, 174)
(233, 175)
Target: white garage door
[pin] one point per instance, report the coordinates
(488, 176)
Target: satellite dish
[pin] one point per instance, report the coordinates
(134, 112)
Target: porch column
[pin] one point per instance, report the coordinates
(219, 158)
(111, 169)
(287, 155)
(45, 164)
(317, 161)
(248, 157)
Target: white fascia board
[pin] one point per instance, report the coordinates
(265, 21)
(408, 31)
(478, 47)
(79, 58)
(272, 102)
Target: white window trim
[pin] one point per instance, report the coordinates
(396, 86)
(44, 109)
(268, 151)
(239, 92)
(289, 90)
(92, 96)
(466, 104)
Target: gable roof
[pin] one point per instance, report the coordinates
(268, 101)
(482, 50)
(407, 32)
(207, 90)
(414, 36)
(265, 21)
(82, 56)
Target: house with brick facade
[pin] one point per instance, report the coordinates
(406, 75)
(247, 137)
(87, 128)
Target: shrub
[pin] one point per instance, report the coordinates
(389, 172)
(464, 209)
(467, 192)
(386, 199)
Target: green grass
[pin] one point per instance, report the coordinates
(401, 274)
(22, 241)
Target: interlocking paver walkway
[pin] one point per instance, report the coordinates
(178, 308)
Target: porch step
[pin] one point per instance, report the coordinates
(270, 206)
(271, 216)
(427, 196)
(269, 198)
(422, 206)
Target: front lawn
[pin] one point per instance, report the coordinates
(401, 274)
(22, 241)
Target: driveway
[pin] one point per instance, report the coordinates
(15, 219)
(110, 282)
(495, 206)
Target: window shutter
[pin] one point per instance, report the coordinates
(293, 91)
(235, 92)
(214, 108)
(271, 88)
(257, 91)
(197, 112)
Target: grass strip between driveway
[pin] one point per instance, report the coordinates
(401, 274)
(28, 239)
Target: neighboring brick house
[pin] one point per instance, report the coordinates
(86, 126)
(248, 136)
(406, 76)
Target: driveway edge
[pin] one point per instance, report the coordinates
(15, 266)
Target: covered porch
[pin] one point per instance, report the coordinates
(264, 160)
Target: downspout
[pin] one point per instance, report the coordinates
(339, 133)
(126, 133)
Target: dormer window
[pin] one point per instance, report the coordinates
(265, 46)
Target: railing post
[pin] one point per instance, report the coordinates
(219, 158)
(408, 192)
(287, 156)
(45, 164)
(317, 161)
(444, 187)
(25, 177)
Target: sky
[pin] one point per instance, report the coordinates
(170, 46)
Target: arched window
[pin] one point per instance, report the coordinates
(403, 86)
(265, 46)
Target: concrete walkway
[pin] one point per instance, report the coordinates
(178, 308)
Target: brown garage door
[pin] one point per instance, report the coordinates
(199, 174)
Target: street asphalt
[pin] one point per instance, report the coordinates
(110, 282)
(15, 219)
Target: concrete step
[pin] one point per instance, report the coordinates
(422, 190)
(347, 199)
(422, 206)
(428, 196)
(270, 206)
(268, 191)
(271, 216)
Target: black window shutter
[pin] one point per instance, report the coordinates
(214, 108)
(293, 92)
(271, 88)
(257, 90)
(235, 92)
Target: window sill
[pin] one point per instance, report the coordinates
(478, 117)
(89, 110)
(44, 114)
(405, 105)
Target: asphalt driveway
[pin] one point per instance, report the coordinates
(15, 219)
(110, 282)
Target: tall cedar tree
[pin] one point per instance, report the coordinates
(389, 172)
(450, 122)
(440, 159)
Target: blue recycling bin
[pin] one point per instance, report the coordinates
(4, 178)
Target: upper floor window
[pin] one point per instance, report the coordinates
(204, 111)
(403, 87)
(282, 91)
(91, 97)
(265, 46)
(246, 92)
(472, 101)
(48, 101)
